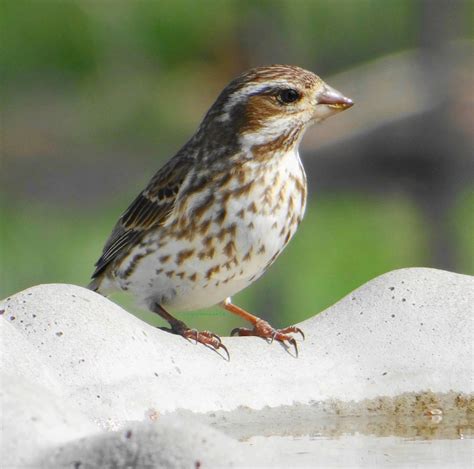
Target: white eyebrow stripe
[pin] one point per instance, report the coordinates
(256, 88)
(249, 90)
(244, 92)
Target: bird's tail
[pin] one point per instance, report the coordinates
(94, 285)
(102, 285)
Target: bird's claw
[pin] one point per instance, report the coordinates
(221, 345)
(265, 331)
(292, 330)
(206, 338)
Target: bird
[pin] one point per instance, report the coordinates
(216, 216)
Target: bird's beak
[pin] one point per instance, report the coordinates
(334, 99)
(330, 101)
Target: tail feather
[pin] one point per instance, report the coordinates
(103, 285)
(94, 285)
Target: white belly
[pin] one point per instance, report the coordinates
(200, 270)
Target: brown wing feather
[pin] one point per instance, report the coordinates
(150, 209)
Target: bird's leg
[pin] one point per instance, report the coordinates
(180, 328)
(261, 328)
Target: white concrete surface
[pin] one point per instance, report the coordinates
(362, 451)
(408, 331)
(168, 444)
(34, 418)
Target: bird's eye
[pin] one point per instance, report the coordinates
(288, 96)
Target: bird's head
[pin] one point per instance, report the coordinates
(269, 103)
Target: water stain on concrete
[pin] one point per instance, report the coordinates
(424, 415)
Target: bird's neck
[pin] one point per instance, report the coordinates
(223, 145)
(263, 149)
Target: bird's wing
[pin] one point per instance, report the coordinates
(150, 209)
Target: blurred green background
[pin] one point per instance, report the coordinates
(96, 95)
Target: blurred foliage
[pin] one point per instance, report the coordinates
(75, 38)
(147, 53)
(137, 75)
(342, 243)
(140, 69)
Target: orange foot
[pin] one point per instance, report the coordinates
(209, 339)
(266, 331)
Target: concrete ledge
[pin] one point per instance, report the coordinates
(168, 444)
(408, 331)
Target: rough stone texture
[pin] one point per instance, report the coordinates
(170, 443)
(34, 417)
(79, 363)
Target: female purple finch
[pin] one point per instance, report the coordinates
(217, 215)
